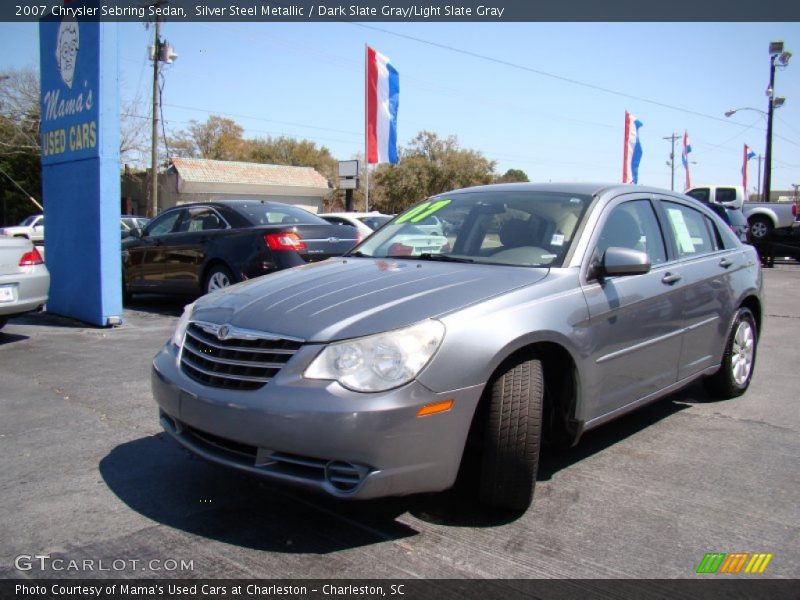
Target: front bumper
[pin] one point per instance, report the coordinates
(316, 434)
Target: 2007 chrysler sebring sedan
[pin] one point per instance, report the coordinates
(551, 310)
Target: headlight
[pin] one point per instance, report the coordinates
(183, 323)
(379, 362)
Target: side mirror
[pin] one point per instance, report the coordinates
(624, 261)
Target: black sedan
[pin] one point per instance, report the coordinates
(199, 248)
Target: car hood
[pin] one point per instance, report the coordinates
(346, 298)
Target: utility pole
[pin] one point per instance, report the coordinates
(154, 141)
(759, 158)
(795, 186)
(671, 161)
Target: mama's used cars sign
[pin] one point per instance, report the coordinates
(69, 103)
(80, 166)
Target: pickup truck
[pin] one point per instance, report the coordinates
(763, 217)
(32, 228)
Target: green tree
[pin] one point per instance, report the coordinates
(19, 144)
(428, 165)
(512, 176)
(289, 151)
(217, 139)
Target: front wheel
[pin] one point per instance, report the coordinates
(512, 435)
(218, 277)
(739, 359)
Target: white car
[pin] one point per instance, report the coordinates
(32, 228)
(24, 280)
(365, 222)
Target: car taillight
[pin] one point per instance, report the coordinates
(31, 258)
(398, 249)
(286, 240)
(794, 209)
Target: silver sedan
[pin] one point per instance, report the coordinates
(24, 279)
(551, 310)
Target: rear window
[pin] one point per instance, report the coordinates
(259, 213)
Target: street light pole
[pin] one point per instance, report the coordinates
(776, 52)
(154, 140)
(770, 111)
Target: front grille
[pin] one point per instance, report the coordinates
(238, 362)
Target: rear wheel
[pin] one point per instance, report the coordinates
(760, 228)
(512, 435)
(738, 361)
(218, 277)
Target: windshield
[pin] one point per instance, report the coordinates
(29, 221)
(520, 228)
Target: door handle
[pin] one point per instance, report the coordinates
(725, 263)
(671, 278)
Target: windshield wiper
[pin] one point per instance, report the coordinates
(445, 258)
(357, 254)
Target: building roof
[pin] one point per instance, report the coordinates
(203, 171)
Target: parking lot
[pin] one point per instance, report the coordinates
(88, 476)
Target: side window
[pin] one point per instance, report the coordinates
(164, 223)
(201, 219)
(633, 225)
(690, 230)
(726, 195)
(701, 194)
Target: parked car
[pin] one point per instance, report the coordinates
(31, 228)
(556, 309)
(132, 224)
(365, 222)
(199, 248)
(735, 219)
(24, 279)
(763, 217)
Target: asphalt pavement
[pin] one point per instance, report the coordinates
(89, 480)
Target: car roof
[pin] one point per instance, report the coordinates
(589, 189)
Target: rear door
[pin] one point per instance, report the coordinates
(186, 250)
(706, 268)
(634, 330)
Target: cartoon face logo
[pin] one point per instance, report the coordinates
(67, 46)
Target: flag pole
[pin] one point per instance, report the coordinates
(366, 128)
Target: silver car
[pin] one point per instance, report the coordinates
(24, 280)
(552, 309)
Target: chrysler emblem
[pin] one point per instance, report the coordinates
(223, 332)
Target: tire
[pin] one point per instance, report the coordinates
(217, 278)
(739, 359)
(3, 321)
(512, 435)
(760, 228)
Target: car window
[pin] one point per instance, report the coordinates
(375, 222)
(633, 225)
(702, 194)
(201, 219)
(277, 214)
(690, 230)
(163, 224)
(726, 194)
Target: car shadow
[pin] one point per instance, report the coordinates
(10, 338)
(158, 304)
(157, 478)
(160, 480)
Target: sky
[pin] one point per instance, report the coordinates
(547, 98)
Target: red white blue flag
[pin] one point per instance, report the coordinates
(687, 147)
(632, 150)
(748, 154)
(383, 92)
